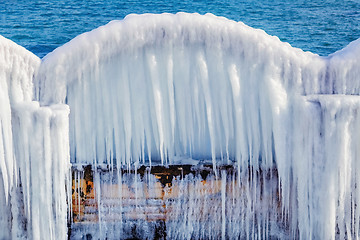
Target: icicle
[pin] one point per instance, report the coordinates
(223, 204)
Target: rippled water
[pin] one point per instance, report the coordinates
(322, 27)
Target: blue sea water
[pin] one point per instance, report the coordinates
(319, 26)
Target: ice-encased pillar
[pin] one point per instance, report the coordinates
(42, 155)
(325, 166)
(17, 68)
(6, 159)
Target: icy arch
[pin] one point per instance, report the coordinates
(184, 85)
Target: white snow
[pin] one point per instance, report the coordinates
(158, 88)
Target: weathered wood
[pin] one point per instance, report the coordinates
(149, 206)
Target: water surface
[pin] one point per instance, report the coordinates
(322, 27)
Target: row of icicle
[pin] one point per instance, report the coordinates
(155, 88)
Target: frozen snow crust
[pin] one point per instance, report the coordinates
(161, 87)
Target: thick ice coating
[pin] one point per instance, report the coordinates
(34, 153)
(325, 167)
(159, 86)
(154, 88)
(17, 67)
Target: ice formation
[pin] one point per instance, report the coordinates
(34, 153)
(153, 88)
(190, 209)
